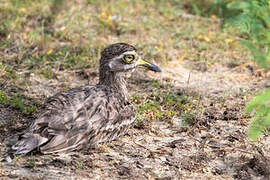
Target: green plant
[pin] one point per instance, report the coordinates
(253, 22)
(80, 164)
(207, 8)
(189, 119)
(164, 105)
(3, 97)
(261, 120)
(17, 101)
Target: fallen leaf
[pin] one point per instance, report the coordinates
(181, 58)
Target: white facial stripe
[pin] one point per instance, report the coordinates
(130, 52)
(122, 55)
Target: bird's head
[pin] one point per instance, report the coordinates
(121, 57)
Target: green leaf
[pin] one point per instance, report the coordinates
(241, 21)
(255, 131)
(263, 98)
(260, 56)
(252, 19)
(261, 120)
(238, 5)
(266, 19)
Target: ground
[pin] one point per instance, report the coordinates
(213, 146)
(190, 122)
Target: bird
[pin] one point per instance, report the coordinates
(87, 115)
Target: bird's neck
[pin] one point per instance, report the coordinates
(115, 81)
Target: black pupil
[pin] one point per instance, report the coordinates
(130, 57)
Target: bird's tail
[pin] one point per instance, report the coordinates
(28, 142)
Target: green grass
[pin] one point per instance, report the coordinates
(163, 104)
(20, 102)
(3, 97)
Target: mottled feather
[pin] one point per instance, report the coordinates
(86, 115)
(80, 116)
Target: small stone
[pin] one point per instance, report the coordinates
(8, 159)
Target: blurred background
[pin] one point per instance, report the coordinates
(39, 35)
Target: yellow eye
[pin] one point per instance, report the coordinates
(129, 58)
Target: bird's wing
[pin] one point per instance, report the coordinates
(55, 118)
(75, 117)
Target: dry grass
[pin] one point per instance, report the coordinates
(43, 34)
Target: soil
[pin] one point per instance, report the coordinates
(214, 147)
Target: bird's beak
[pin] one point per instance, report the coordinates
(144, 64)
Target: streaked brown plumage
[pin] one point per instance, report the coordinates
(90, 114)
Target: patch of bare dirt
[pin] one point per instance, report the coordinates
(215, 146)
(214, 79)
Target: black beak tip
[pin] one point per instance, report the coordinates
(151, 67)
(155, 68)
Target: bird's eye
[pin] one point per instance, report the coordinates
(129, 58)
